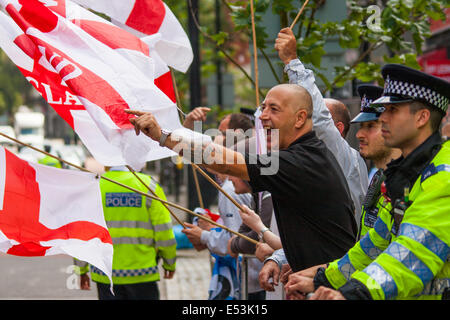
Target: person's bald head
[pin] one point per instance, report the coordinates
(288, 108)
(340, 114)
(296, 97)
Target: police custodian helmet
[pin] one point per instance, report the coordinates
(404, 84)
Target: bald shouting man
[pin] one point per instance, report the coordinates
(311, 198)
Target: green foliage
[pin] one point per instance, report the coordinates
(401, 26)
(14, 88)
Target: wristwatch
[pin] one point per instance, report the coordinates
(261, 233)
(164, 135)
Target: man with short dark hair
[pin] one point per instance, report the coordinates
(240, 121)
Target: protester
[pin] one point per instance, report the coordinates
(327, 113)
(141, 231)
(217, 241)
(254, 222)
(404, 256)
(331, 129)
(263, 205)
(198, 114)
(339, 112)
(312, 230)
(206, 235)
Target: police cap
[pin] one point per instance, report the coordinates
(368, 93)
(404, 84)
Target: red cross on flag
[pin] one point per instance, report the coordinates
(46, 211)
(154, 23)
(89, 71)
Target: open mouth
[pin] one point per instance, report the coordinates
(268, 132)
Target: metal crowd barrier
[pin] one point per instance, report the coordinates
(244, 276)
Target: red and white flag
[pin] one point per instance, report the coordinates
(154, 23)
(40, 215)
(128, 45)
(75, 72)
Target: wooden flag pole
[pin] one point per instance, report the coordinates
(154, 193)
(194, 173)
(255, 53)
(196, 168)
(299, 14)
(177, 96)
(132, 189)
(197, 186)
(215, 184)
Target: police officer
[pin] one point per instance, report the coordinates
(141, 231)
(371, 147)
(406, 254)
(49, 161)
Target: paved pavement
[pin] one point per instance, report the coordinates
(52, 278)
(191, 279)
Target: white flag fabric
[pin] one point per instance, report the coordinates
(46, 211)
(131, 47)
(79, 67)
(154, 23)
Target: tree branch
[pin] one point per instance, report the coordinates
(270, 65)
(369, 50)
(221, 49)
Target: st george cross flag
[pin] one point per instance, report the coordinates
(130, 46)
(154, 23)
(41, 216)
(75, 71)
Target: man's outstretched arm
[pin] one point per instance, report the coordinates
(214, 156)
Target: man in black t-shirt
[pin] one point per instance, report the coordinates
(311, 199)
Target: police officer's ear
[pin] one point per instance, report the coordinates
(422, 114)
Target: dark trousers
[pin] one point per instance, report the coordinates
(135, 291)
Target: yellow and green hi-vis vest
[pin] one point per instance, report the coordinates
(140, 228)
(409, 260)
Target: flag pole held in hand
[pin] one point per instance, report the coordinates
(154, 193)
(299, 14)
(134, 190)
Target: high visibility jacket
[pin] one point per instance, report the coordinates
(409, 260)
(49, 161)
(140, 228)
